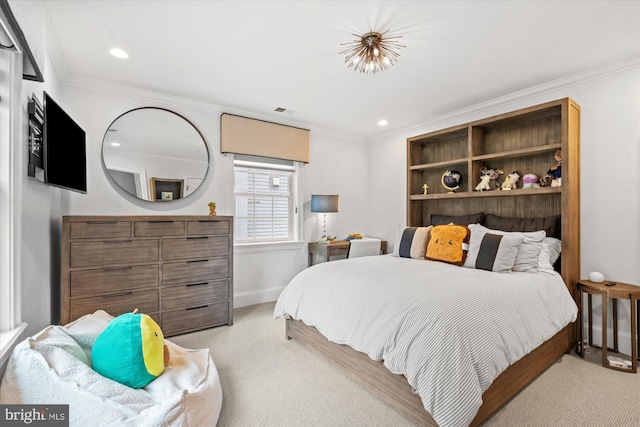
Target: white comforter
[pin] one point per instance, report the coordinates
(450, 330)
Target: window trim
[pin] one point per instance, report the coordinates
(297, 184)
(11, 169)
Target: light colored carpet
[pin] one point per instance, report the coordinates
(269, 381)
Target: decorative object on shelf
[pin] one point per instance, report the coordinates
(483, 185)
(553, 178)
(530, 180)
(451, 180)
(494, 174)
(353, 236)
(596, 277)
(556, 170)
(167, 195)
(511, 181)
(425, 187)
(323, 203)
(212, 209)
(371, 51)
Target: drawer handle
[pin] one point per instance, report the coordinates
(159, 222)
(117, 295)
(196, 238)
(116, 241)
(197, 284)
(117, 268)
(197, 260)
(102, 222)
(196, 308)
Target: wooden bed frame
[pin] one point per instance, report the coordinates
(394, 388)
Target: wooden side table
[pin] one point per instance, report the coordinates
(615, 292)
(337, 247)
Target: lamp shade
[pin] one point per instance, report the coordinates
(324, 203)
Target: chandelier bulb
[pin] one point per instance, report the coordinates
(356, 59)
(386, 60)
(376, 52)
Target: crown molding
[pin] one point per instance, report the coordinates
(52, 46)
(163, 98)
(561, 83)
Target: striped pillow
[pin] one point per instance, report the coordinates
(492, 251)
(412, 242)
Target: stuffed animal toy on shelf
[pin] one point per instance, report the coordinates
(553, 178)
(483, 185)
(530, 181)
(130, 350)
(511, 181)
(493, 174)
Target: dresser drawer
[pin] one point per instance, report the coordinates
(100, 229)
(194, 294)
(158, 228)
(113, 252)
(192, 319)
(195, 247)
(115, 304)
(195, 271)
(117, 279)
(207, 227)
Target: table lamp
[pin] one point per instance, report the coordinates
(324, 204)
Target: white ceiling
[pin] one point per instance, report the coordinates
(255, 56)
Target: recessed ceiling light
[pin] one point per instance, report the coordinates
(383, 123)
(119, 53)
(115, 144)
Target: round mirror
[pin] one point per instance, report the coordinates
(155, 154)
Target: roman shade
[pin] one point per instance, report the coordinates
(241, 135)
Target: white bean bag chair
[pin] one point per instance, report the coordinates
(54, 367)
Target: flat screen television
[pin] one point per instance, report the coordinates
(64, 149)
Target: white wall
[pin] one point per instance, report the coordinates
(610, 159)
(338, 166)
(41, 223)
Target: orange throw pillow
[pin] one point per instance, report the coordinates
(448, 243)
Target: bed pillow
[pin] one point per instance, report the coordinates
(492, 251)
(528, 251)
(551, 248)
(475, 218)
(448, 243)
(550, 225)
(412, 242)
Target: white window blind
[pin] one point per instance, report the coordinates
(263, 199)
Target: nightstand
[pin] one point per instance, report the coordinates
(615, 292)
(337, 247)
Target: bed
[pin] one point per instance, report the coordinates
(451, 331)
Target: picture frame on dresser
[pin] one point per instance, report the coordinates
(176, 269)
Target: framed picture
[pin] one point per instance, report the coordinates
(167, 195)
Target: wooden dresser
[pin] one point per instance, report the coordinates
(177, 269)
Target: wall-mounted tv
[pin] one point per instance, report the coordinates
(61, 150)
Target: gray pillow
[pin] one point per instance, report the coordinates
(550, 225)
(492, 252)
(475, 218)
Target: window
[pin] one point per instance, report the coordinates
(264, 199)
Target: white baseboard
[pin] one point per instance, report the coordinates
(244, 299)
(624, 338)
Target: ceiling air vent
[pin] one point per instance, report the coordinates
(280, 110)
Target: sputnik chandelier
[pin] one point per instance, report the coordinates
(371, 52)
